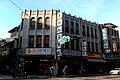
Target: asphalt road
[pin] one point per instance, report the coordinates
(107, 77)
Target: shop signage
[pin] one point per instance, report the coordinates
(58, 38)
(84, 48)
(44, 60)
(108, 56)
(59, 22)
(71, 53)
(38, 51)
(93, 55)
(105, 38)
(59, 15)
(114, 46)
(4, 53)
(59, 29)
(117, 56)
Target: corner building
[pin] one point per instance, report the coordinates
(110, 45)
(39, 48)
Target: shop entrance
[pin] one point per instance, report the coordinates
(37, 66)
(73, 66)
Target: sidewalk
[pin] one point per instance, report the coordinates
(5, 77)
(47, 77)
(38, 76)
(61, 76)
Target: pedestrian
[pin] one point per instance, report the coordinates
(14, 72)
(52, 71)
(64, 71)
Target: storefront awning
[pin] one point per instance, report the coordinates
(96, 60)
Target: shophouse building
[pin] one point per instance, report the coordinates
(39, 47)
(110, 44)
(8, 52)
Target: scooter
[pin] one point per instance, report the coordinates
(13, 73)
(19, 73)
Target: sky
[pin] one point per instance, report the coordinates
(99, 11)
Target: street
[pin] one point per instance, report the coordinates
(37, 77)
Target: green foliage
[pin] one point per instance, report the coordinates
(75, 37)
(64, 39)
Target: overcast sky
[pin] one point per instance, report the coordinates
(99, 11)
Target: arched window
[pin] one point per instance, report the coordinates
(66, 26)
(92, 33)
(32, 23)
(31, 41)
(77, 44)
(47, 23)
(72, 27)
(88, 33)
(39, 23)
(66, 23)
(83, 30)
(67, 45)
(92, 43)
(96, 35)
(39, 41)
(72, 44)
(77, 29)
(46, 40)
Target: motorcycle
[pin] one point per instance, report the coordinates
(14, 73)
(19, 73)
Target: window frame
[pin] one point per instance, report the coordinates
(32, 23)
(31, 41)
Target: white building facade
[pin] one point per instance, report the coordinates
(38, 43)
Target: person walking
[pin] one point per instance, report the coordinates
(52, 71)
(64, 71)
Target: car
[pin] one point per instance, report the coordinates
(115, 71)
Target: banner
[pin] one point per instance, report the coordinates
(105, 38)
(38, 51)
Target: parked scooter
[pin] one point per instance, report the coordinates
(14, 73)
(19, 73)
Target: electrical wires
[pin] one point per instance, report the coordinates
(15, 5)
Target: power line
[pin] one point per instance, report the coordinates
(15, 5)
